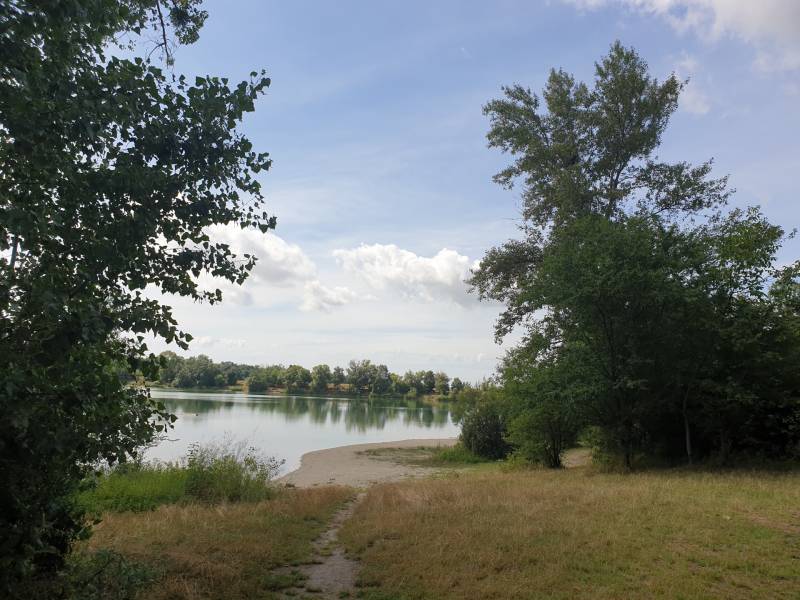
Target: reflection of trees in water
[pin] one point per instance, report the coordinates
(357, 414)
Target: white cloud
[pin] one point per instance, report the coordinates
(771, 26)
(279, 262)
(387, 267)
(693, 98)
(319, 297)
(205, 341)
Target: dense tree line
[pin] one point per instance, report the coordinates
(655, 318)
(361, 377)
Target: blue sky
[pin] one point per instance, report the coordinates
(382, 180)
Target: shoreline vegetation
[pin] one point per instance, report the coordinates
(460, 526)
(361, 378)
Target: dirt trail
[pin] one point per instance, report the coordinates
(331, 574)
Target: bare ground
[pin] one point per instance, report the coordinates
(355, 467)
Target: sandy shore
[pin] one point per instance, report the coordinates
(348, 465)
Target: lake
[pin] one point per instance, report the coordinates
(289, 426)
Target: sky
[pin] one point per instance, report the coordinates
(382, 180)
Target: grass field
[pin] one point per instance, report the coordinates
(580, 534)
(224, 551)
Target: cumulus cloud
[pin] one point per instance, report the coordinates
(319, 297)
(771, 26)
(279, 262)
(385, 266)
(280, 265)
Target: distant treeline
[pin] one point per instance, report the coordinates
(360, 377)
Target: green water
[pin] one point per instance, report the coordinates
(289, 426)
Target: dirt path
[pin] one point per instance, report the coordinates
(330, 574)
(354, 466)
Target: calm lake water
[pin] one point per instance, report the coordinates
(289, 426)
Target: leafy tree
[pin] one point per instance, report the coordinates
(613, 271)
(112, 172)
(320, 377)
(544, 404)
(296, 378)
(428, 382)
(456, 385)
(338, 377)
(258, 381)
(170, 365)
(381, 382)
(399, 385)
(360, 375)
(483, 430)
(441, 383)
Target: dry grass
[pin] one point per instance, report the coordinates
(579, 534)
(224, 551)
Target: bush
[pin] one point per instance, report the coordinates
(229, 473)
(483, 431)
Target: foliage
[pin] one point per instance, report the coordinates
(634, 286)
(136, 487)
(228, 472)
(112, 173)
(320, 378)
(454, 455)
(483, 431)
(545, 405)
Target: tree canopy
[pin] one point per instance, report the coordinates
(111, 171)
(637, 288)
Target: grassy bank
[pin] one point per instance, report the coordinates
(224, 551)
(578, 534)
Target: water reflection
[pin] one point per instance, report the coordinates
(289, 426)
(359, 414)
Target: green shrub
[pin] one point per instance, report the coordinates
(483, 431)
(458, 454)
(228, 472)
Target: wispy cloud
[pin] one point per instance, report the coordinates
(772, 27)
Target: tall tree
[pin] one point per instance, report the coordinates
(111, 173)
(614, 270)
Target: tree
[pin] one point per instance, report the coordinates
(320, 377)
(381, 381)
(258, 381)
(545, 402)
(441, 383)
(428, 382)
(112, 174)
(613, 272)
(296, 378)
(456, 385)
(338, 377)
(360, 375)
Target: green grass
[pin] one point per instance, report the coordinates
(230, 472)
(577, 533)
(454, 456)
(136, 489)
